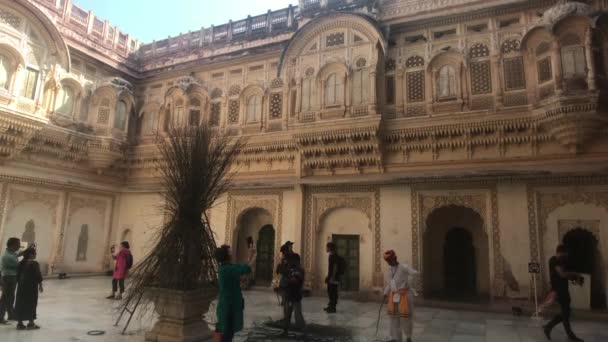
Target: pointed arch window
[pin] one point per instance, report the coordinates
(194, 117)
(254, 108)
(5, 72)
(121, 115)
(149, 124)
(446, 83)
(334, 90)
(65, 101)
(178, 115)
(360, 86)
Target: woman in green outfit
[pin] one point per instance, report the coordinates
(231, 303)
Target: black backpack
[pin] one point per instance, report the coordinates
(129, 261)
(341, 266)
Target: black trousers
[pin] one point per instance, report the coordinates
(332, 293)
(118, 283)
(563, 317)
(7, 301)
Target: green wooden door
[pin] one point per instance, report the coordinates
(348, 248)
(265, 259)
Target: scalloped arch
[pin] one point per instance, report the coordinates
(359, 22)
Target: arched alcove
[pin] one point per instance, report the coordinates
(456, 255)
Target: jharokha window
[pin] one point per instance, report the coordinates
(65, 101)
(360, 83)
(254, 108)
(194, 117)
(446, 83)
(120, 119)
(5, 72)
(334, 91)
(30, 80)
(573, 57)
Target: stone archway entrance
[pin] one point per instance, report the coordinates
(585, 257)
(265, 256)
(256, 223)
(456, 255)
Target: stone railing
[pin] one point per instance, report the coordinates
(311, 7)
(94, 31)
(260, 26)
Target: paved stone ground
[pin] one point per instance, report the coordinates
(70, 308)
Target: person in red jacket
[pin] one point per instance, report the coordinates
(124, 261)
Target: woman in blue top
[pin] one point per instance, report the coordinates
(230, 304)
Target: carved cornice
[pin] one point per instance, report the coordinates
(346, 148)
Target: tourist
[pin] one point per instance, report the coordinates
(124, 262)
(283, 270)
(399, 297)
(293, 293)
(248, 280)
(30, 282)
(559, 283)
(10, 265)
(336, 268)
(230, 302)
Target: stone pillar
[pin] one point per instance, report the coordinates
(400, 96)
(90, 22)
(373, 102)
(556, 64)
(298, 98)
(497, 80)
(346, 91)
(589, 57)
(57, 256)
(428, 89)
(321, 98)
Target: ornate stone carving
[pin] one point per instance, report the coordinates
(542, 204)
(318, 202)
(424, 204)
(16, 197)
(78, 202)
(240, 201)
(573, 123)
(592, 226)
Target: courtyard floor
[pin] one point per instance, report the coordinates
(68, 309)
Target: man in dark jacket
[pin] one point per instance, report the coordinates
(333, 277)
(559, 284)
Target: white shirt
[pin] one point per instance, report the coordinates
(397, 278)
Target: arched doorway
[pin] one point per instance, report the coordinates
(256, 223)
(455, 255)
(585, 257)
(459, 263)
(265, 256)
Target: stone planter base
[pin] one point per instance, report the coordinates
(181, 315)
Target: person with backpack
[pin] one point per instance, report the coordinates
(293, 293)
(336, 269)
(124, 262)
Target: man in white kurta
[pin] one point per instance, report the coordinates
(399, 296)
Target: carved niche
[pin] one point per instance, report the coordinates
(321, 201)
(423, 205)
(241, 201)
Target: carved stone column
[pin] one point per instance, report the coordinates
(428, 89)
(298, 97)
(557, 67)
(346, 95)
(373, 109)
(400, 91)
(497, 80)
(589, 56)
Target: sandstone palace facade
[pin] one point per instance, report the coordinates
(468, 135)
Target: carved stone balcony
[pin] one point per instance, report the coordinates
(573, 121)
